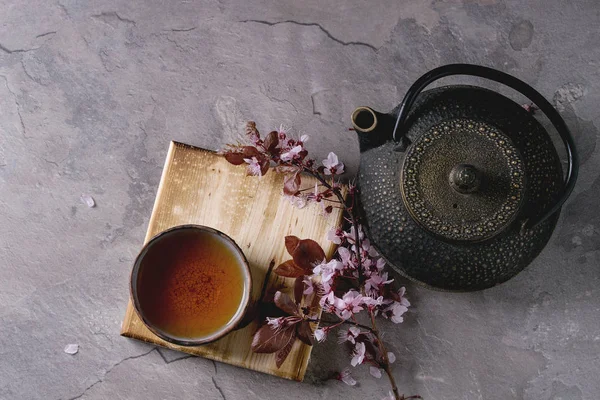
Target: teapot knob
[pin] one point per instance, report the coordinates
(465, 178)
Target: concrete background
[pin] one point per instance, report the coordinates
(91, 92)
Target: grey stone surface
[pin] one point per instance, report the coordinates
(92, 92)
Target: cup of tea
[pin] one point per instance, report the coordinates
(191, 285)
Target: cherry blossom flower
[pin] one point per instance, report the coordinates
(403, 300)
(328, 270)
(346, 377)
(380, 264)
(352, 304)
(366, 249)
(253, 166)
(346, 257)
(394, 311)
(292, 154)
(376, 372)
(316, 196)
(351, 235)
(376, 282)
(349, 335)
(332, 165)
(371, 302)
(332, 304)
(320, 334)
(334, 235)
(358, 355)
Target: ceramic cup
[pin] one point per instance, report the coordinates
(182, 277)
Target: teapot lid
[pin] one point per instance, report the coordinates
(463, 180)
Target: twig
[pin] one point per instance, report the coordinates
(386, 360)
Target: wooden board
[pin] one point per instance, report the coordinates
(200, 187)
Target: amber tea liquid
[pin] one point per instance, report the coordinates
(190, 284)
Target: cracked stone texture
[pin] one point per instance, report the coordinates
(92, 92)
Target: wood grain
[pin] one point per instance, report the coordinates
(201, 187)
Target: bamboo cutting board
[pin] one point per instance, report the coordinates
(201, 187)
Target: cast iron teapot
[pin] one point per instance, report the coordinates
(461, 187)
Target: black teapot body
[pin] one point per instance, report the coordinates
(461, 187)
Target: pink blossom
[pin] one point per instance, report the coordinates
(274, 322)
(282, 132)
(380, 264)
(376, 372)
(332, 304)
(320, 334)
(352, 304)
(292, 154)
(351, 235)
(376, 282)
(253, 166)
(366, 249)
(332, 165)
(316, 196)
(346, 377)
(372, 302)
(349, 335)
(395, 311)
(346, 257)
(335, 235)
(358, 355)
(328, 270)
(403, 300)
(391, 357)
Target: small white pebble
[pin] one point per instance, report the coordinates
(88, 200)
(71, 349)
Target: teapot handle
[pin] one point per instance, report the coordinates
(520, 86)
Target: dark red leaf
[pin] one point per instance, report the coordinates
(251, 129)
(283, 353)
(321, 169)
(307, 253)
(234, 158)
(291, 183)
(289, 270)
(269, 340)
(264, 165)
(298, 289)
(328, 209)
(304, 332)
(284, 302)
(251, 151)
(302, 154)
(291, 242)
(271, 141)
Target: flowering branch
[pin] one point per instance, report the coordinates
(352, 282)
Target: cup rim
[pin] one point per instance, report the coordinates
(230, 326)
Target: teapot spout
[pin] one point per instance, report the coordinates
(373, 128)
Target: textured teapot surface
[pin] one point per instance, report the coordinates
(449, 210)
